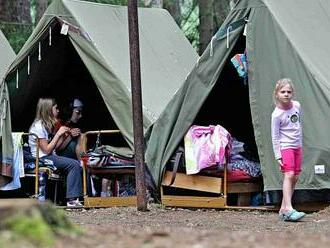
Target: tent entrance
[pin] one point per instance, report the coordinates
(228, 104)
(60, 73)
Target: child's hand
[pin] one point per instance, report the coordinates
(63, 130)
(280, 164)
(75, 132)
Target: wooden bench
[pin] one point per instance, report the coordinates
(110, 201)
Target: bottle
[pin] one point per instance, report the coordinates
(43, 176)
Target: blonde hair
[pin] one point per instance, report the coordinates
(280, 84)
(44, 113)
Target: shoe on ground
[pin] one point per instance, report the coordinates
(292, 216)
(74, 204)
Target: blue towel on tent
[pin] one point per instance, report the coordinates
(240, 63)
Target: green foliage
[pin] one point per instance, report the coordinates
(16, 34)
(190, 21)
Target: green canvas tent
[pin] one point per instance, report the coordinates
(284, 38)
(7, 56)
(80, 49)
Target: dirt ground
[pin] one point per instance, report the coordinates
(176, 227)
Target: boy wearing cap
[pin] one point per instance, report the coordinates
(70, 146)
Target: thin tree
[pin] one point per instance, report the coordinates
(17, 11)
(41, 6)
(221, 10)
(173, 6)
(206, 24)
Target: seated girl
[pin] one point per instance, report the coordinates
(43, 126)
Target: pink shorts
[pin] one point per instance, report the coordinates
(291, 159)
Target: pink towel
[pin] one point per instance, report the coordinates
(206, 146)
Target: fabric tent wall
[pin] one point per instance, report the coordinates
(277, 47)
(7, 56)
(286, 54)
(99, 35)
(62, 79)
(228, 104)
(183, 108)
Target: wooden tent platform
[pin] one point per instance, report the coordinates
(216, 185)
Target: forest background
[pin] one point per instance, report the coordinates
(198, 19)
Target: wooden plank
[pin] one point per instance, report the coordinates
(90, 202)
(243, 187)
(194, 182)
(193, 201)
(109, 171)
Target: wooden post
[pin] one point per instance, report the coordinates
(137, 104)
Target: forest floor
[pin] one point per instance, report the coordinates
(177, 227)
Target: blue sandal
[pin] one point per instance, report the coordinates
(292, 216)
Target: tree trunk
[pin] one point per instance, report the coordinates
(173, 6)
(41, 6)
(221, 10)
(15, 11)
(206, 25)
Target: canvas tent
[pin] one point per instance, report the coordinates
(284, 38)
(80, 49)
(7, 56)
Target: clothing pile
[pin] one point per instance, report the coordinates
(239, 162)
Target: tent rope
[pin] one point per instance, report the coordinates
(39, 55)
(211, 49)
(228, 31)
(28, 65)
(50, 36)
(17, 78)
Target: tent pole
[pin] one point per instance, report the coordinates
(133, 32)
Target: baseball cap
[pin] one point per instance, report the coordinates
(77, 103)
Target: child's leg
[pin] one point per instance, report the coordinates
(296, 177)
(288, 188)
(289, 180)
(105, 187)
(297, 159)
